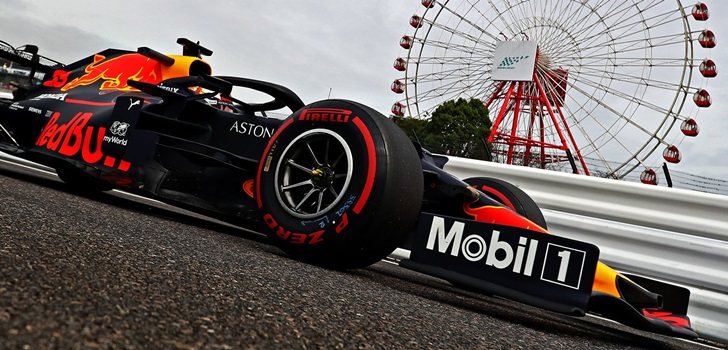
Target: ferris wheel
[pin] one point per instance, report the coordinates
(597, 87)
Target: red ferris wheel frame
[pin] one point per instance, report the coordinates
(544, 107)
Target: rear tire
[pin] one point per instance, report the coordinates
(339, 185)
(509, 195)
(80, 182)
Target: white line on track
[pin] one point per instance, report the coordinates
(41, 171)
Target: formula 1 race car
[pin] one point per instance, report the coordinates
(335, 183)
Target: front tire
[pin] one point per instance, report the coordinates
(339, 185)
(509, 195)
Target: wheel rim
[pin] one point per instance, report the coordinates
(313, 173)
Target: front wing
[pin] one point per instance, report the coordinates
(544, 270)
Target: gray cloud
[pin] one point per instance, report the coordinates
(308, 46)
(62, 42)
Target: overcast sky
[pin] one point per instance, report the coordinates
(308, 46)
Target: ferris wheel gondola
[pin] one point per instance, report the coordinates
(606, 86)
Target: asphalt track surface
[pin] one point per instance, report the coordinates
(116, 271)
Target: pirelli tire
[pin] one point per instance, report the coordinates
(339, 185)
(509, 195)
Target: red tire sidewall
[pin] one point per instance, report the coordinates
(345, 220)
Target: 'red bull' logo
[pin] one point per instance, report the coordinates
(58, 79)
(117, 71)
(76, 138)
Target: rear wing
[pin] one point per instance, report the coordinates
(27, 56)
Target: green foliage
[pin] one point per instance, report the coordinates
(458, 128)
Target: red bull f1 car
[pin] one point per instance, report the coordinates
(335, 183)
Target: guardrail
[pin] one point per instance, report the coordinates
(668, 234)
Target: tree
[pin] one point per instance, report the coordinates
(457, 128)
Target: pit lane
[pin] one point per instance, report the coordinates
(117, 270)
